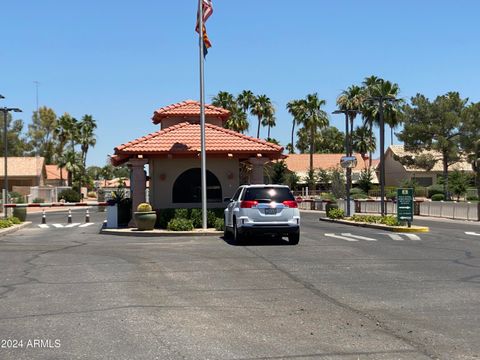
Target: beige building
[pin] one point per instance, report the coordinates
(395, 172)
(23, 172)
(172, 155)
(56, 176)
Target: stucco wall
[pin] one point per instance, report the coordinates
(164, 172)
(395, 173)
(177, 120)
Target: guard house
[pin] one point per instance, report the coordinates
(172, 155)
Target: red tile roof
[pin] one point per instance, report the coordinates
(53, 172)
(184, 138)
(188, 108)
(301, 162)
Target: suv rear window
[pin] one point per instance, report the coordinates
(269, 194)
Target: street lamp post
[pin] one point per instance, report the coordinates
(348, 152)
(5, 111)
(381, 100)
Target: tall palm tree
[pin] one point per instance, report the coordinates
(225, 100)
(237, 120)
(245, 100)
(313, 119)
(351, 99)
(86, 136)
(63, 131)
(269, 119)
(363, 142)
(294, 107)
(261, 107)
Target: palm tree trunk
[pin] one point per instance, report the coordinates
(268, 136)
(258, 128)
(293, 133)
(312, 150)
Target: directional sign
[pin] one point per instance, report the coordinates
(405, 205)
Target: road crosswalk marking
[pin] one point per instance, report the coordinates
(340, 237)
(353, 237)
(62, 226)
(358, 237)
(471, 233)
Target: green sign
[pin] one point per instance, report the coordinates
(405, 205)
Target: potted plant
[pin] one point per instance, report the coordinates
(144, 217)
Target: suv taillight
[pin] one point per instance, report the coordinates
(247, 204)
(290, 203)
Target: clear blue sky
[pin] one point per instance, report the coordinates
(120, 60)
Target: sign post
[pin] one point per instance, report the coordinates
(405, 205)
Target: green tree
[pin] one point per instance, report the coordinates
(292, 180)
(434, 125)
(65, 131)
(86, 136)
(365, 180)
(279, 172)
(121, 172)
(16, 141)
(237, 120)
(328, 140)
(338, 183)
(459, 182)
(94, 172)
(261, 108)
(269, 120)
(294, 107)
(41, 133)
(364, 142)
(351, 100)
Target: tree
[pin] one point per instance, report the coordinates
(435, 126)
(66, 130)
(279, 172)
(41, 133)
(94, 172)
(324, 178)
(363, 142)
(269, 119)
(351, 100)
(237, 120)
(328, 140)
(262, 107)
(313, 118)
(294, 107)
(86, 135)
(246, 100)
(338, 183)
(459, 182)
(365, 180)
(16, 141)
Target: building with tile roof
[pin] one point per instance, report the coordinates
(395, 172)
(23, 171)
(173, 157)
(56, 176)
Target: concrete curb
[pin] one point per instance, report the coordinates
(413, 229)
(14, 228)
(159, 233)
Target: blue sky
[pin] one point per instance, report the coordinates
(120, 60)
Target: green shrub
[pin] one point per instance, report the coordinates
(434, 189)
(391, 195)
(144, 207)
(355, 191)
(359, 196)
(196, 217)
(92, 194)
(14, 220)
(472, 198)
(5, 223)
(336, 213)
(329, 208)
(38, 201)
(69, 195)
(365, 218)
(389, 220)
(182, 214)
(211, 218)
(438, 197)
(179, 224)
(219, 224)
(327, 197)
(163, 217)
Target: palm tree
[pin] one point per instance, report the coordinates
(351, 99)
(261, 107)
(86, 135)
(245, 100)
(294, 107)
(237, 120)
(363, 142)
(225, 100)
(269, 119)
(313, 119)
(63, 131)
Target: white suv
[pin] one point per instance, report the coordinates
(262, 209)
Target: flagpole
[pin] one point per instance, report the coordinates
(202, 117)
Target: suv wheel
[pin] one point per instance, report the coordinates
(294, 238)
(237, 238)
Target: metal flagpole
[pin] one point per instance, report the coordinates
(202, 118)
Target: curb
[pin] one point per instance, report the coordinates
(413, 229)
(158, 233)
(14, 228)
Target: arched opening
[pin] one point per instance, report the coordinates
(188, 189)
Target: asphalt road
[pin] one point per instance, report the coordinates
(342, 293)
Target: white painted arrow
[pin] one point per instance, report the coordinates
(359, 237)
(340, 237)
(395, 237)
(86, 224)
(72, 225)
(43, 226)
(412, 237)
(57, 225)
(471, 233)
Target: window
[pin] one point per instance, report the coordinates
(188, 189)
(424, 181)
(268, 194)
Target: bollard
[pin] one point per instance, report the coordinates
(44, 217)
(87, 217)
(69, 216)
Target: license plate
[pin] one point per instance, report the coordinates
(270, 211)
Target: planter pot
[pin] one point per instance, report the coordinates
(145, 220)
(20, 213)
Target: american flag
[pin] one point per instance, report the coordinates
(207, 9)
